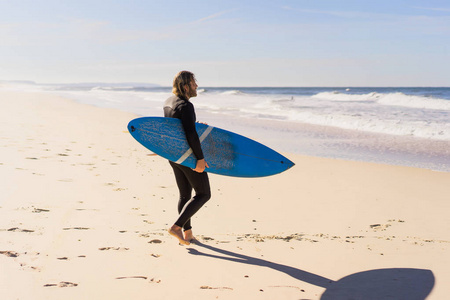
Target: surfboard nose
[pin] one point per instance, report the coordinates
(288, 163)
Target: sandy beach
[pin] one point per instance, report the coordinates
(84, 212)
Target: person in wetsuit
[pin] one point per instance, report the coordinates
(179, 106)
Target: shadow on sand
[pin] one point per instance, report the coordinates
(395, 283)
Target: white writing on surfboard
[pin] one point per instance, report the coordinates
(189, 151)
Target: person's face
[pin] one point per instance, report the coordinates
(192, 89)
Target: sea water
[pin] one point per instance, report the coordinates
(401, 126)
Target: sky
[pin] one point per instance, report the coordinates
(228, 43)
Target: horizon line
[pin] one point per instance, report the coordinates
(149, 84)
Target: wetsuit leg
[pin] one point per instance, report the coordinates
(200, 183)
(185, 190)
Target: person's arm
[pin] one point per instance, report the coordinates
(188, 122)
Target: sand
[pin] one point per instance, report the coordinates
(84, 213)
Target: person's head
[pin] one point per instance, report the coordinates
(185, 85)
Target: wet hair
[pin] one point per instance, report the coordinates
(181, 79)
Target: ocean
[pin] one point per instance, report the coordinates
(408, 126)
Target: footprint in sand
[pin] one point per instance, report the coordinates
(383, 227)
(132, 277)
(61, 284)
(9, 253)
(288, 286)
(38, 174)
(113, 248)
(16, 229)
(39, 210)
(65, 180)
(155, 241)
(155, 280)
(206, 287)
(76, 228)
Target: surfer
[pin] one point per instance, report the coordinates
(179, 106)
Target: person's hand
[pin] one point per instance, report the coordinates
(201, 166)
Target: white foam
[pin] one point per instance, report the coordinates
(232, 92)
(422, 129)
(392, 99)
(337, 96)
(400, 99)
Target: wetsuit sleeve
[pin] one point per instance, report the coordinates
(188, 122)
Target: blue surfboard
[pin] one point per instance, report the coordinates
(226, 153)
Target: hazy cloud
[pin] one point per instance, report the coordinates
(213, 16)
(433, 8)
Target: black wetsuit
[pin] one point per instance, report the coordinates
(188, 179)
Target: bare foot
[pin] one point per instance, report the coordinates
(189, 236)
(178, 233)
